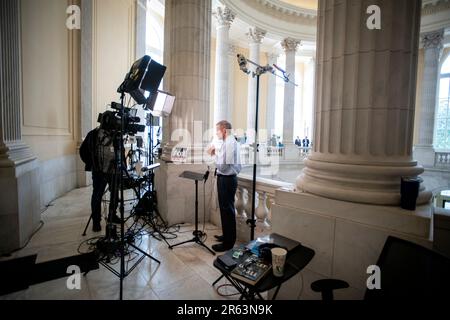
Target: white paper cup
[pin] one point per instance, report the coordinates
(278, 261)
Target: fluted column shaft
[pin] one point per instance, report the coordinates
(187, 54)
(12, 149)
(255, 36)
(365, 100)
(19, 183)
(290, 47)
(432, 44)
(271, 96)
(222, 109)
(232, 52)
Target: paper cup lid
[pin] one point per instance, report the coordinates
(279, 251)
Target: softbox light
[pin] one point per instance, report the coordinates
(143, 79)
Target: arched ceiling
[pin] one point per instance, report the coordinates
(280, 19)
(306, 4)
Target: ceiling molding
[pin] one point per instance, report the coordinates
(288, 9)
(276, 17)
(430, 7)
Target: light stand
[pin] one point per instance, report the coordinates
(260, 70)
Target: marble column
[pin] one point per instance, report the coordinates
(255, 36)
(187, 55)
(365, 101)
(271, 96)
(289, 46)
(432, 45)
(222, 110)
(308, 98)
(232, 62)
(19, 171)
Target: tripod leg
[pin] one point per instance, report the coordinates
(218, 279)
(179, 244)
(144, 253)
(205, 246)
(87, 226)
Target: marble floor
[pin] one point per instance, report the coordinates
(185, 273)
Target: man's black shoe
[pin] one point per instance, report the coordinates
(219, 238)
(221, 247)
(96, 227)
(115, 219)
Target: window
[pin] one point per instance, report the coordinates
(442, 132)
(155, 49)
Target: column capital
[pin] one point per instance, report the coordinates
(433, 40)
(224, 16)
(290, 44)
(272, 55)
(232, 50)
(256, 35)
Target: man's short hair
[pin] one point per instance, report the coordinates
(224, 124)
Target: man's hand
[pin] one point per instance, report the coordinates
(212, 150)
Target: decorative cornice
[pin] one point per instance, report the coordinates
(256, 34)
(290, 44)
(433, 40)
(288, 9)
(270, 17)
(433, 6)
(224, 16)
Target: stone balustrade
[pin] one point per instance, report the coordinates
(265, 197)
(442, 160)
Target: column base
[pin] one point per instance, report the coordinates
(346, 237)
(20, 212)
(425, 155)
(377, 184)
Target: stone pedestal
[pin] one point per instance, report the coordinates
(19, 171)
(176, 196)
(347, 238)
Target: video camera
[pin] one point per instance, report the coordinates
(111, 121)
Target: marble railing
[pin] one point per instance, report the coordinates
(442, 160)
(270, 151)
(265, 197)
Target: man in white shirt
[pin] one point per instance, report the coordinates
(228, 167)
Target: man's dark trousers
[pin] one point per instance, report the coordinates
(99, 182)
(226, 190)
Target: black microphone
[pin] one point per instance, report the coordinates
(206, 176)
(243, 63)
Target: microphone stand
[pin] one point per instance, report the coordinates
(260, 70)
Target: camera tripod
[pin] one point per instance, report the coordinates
(118, 188)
